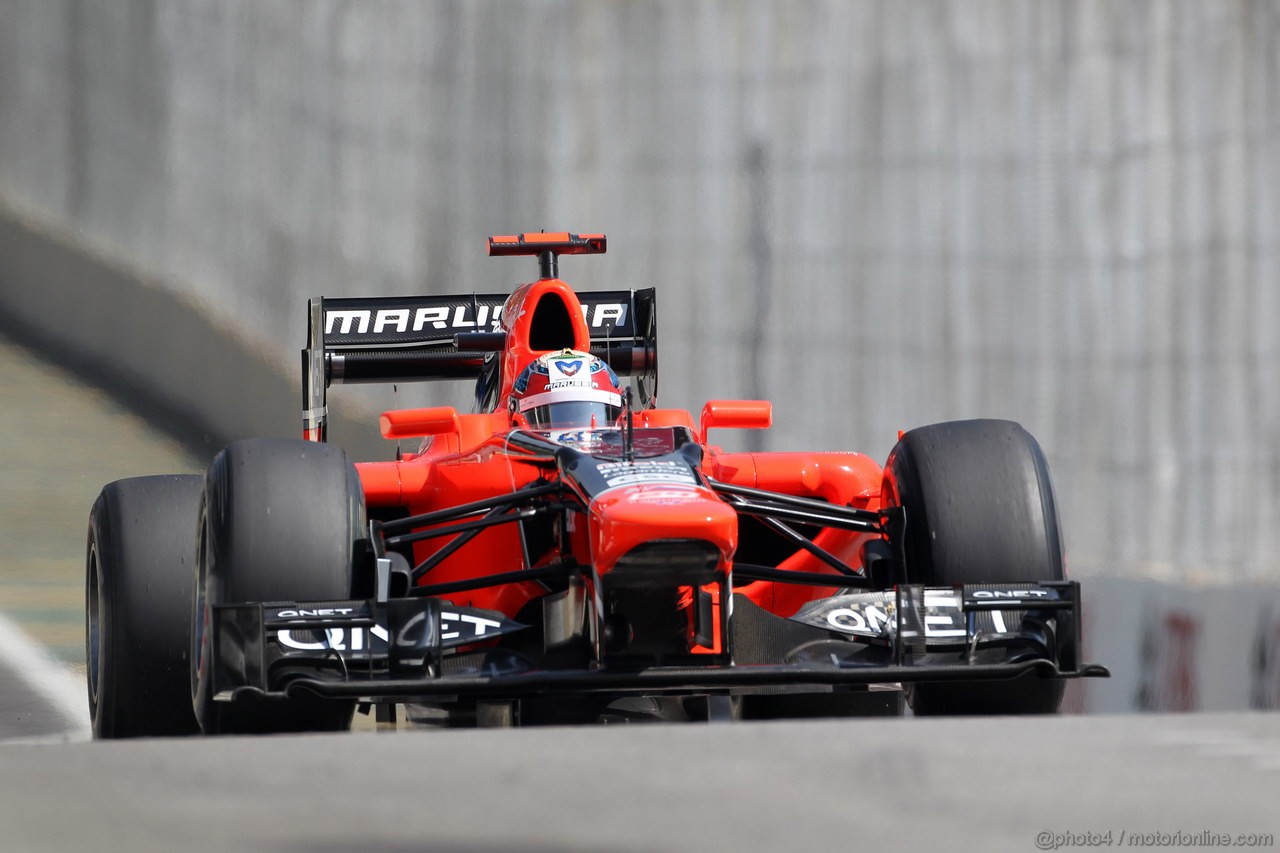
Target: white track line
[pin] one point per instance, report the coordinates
(52, 680)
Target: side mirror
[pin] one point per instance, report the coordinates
(417, 423)
(736, 414)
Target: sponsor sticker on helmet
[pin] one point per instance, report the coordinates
(569, 368)
(564, 372)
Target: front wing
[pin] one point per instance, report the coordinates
(420, 649)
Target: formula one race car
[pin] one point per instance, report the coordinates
(570, 551)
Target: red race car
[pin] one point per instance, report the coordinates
(569, 552)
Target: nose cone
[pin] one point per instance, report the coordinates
(665, 527)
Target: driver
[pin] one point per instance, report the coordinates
(566, 390)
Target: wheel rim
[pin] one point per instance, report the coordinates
(93, 630)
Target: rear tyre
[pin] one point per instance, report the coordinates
(980, 508)
(281, 520)
(138, 575)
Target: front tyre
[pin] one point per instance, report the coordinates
(280, 520)
(138, 574)
(980, 508)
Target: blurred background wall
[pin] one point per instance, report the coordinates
(877, 214)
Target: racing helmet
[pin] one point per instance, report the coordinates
(567, 389)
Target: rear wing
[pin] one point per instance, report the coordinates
(427, 338)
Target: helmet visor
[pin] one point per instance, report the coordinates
(574, 413)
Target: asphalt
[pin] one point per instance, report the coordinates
(24, 713)
(900, 784)
(61, 440)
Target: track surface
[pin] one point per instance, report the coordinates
(909, 784)
(989, 784)
(60, 441)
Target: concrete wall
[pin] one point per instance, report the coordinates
(1179, 646)
(879, 214)
(197, 378)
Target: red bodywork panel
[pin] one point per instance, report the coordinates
(471, 463)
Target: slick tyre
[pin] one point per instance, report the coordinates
(138, 573)
(980, 508)
(280, 520)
